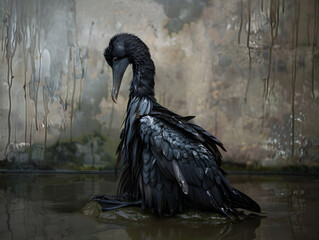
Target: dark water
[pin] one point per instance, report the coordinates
(34, 206)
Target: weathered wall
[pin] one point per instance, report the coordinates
(247, 69)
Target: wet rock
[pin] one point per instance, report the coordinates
(91, 209)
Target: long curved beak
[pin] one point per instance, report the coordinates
(118, 68)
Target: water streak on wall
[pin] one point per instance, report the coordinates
(247, 69)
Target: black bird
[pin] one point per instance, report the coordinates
(168, 163)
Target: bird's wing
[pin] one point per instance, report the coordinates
(192, 130)
(177, 167)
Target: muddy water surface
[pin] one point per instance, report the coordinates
(57, 206)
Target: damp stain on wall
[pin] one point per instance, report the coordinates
(180, 12)
(283, 30)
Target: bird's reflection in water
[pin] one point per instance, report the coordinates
(132, 223)
(188, 230)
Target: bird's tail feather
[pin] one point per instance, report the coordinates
(114, 202)
(241, 200)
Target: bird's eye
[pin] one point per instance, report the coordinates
(115, 59)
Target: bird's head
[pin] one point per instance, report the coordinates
(124, 49)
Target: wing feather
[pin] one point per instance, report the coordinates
(188, 167)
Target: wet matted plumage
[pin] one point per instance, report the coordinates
(168, 163)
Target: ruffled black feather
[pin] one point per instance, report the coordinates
(168, 163)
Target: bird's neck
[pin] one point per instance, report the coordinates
(143, 78)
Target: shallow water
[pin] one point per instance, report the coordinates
(57, 206)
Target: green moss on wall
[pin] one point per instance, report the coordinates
(90, 152)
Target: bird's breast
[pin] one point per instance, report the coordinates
(137, 107)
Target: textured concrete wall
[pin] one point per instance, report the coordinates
(247, 69)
